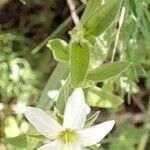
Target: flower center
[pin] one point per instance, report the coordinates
(67, 136)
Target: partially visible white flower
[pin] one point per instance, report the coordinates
(1, 106)
(71, 135)
(19, 107)
(53, 95)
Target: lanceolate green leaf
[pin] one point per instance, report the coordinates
(91, 119)
(60, 49)
(80, 56)
(100, 16)
(107, 71)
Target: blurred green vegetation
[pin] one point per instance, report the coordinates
(26, 66)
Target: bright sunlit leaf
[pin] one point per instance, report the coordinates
(100, 98)
(60, 49)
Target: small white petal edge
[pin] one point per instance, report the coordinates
(53, 94)
(93, 135)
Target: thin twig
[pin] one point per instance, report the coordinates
(118, 32)
(74, 15)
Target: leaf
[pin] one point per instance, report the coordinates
(100, 16)
(18, 141)
(128, 142)
(100, 98)
(140, 71)
(80, 56)
(98, 52)
(90, 5)
(91, 119)
(107, 71)
(52, 83)
(60, 49)
(147, 17)
(133, 7)
(33, 133)
(40, 137)
(63, 96)
(33, 138)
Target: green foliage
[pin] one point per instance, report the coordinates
(91, 119)
(127, 139)
(60, 49)
(24, 72)
(99, 16)
(63, 95)
(52, 83)
(19, 141)
(33, 139)
(98, 52)
(107, 71)
(100, 98)
(79, 63)
(15, 69)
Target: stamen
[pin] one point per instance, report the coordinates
(67, 136)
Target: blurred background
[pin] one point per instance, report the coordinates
(26, 65)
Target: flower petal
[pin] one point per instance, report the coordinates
(75, 112)
(45, 124)
(51, 146)
(72, 146)
(76, 147)
(95, 134)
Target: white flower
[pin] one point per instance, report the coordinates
(71, 135)
(53, 95)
